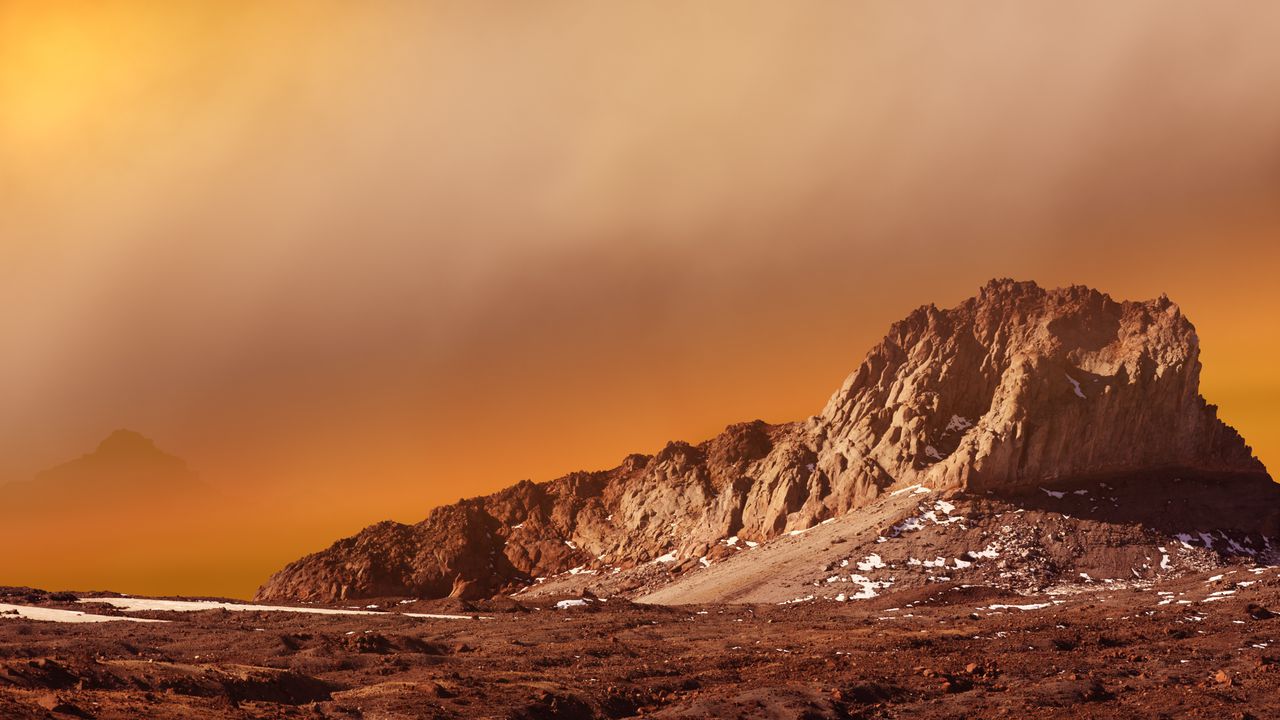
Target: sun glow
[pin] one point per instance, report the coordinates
(68, 70)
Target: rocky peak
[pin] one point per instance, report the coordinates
(1020, 386)
(1015, 388)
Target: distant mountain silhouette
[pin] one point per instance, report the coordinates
(126, 469)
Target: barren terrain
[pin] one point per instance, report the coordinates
(1198, 646)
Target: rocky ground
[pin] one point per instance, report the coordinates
(1132, 532)
(1202, 645)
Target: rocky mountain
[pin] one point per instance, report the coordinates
(1018, 396)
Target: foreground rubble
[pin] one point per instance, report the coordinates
(1202, 645)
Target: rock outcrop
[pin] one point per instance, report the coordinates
(1020, 386)
(1014, 389)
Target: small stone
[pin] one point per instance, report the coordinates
(1257, 612)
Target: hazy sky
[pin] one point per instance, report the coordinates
(353, 260)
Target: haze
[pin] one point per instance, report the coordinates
(351, 261)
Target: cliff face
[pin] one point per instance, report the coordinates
(1015, 388)
(1020, 386)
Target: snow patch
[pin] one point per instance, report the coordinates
(45, 614)
(1075, 385)
(132, 604)
(1032, 606)
(990, 552)
(868, 587)
(912, 524)
(917, 488)
(871, 562)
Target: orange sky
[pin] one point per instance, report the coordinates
(355, 260)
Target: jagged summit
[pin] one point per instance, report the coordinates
(1015, 389)
(1020, 386)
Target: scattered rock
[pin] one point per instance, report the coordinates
(1257, 612)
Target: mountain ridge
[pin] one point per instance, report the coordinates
(1014, 388)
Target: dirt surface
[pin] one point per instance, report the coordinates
(1197, 646)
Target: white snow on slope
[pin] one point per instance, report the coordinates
(871, 562)
(45, 614)
(1033, 606)
(1075, 384)
(990, 552)
(132, 604)
(917, 488)
(912, 524)
(868, 585)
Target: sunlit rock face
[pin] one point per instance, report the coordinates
(1016, 388)
(1022, 386)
